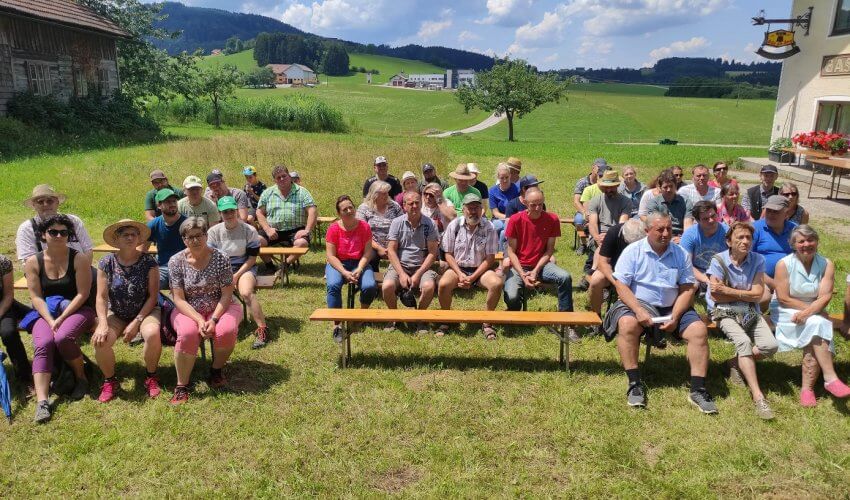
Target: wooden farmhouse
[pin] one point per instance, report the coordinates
(56, 48)
(293, 74)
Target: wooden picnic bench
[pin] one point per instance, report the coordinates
(809, 153)
(577, 233)
(556, 322)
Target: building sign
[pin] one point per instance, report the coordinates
(779, 38)
(838, 65)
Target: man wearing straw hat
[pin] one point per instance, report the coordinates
(463, 186)
(45, 201)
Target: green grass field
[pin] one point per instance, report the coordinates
(416, 416)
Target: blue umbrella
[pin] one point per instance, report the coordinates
(5, 393)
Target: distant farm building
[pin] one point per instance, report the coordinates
(216, 52)
(293, 74)
(56, 48)
(451, 79)
(399, 79)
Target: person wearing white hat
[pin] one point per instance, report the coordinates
(463, 186)
(382, 173)
(45, 201)
(408, 183)
(195, 204)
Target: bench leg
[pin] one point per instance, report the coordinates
(345, 347)
(648, 351)
(349, 299)
(811, 181)
(564, 346)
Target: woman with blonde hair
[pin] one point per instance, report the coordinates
(378, 210)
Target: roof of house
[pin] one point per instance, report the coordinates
(66, 12)
(400, 75)
(283, 68)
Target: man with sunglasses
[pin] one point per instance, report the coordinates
(756, 196)
(700, 190)
(165, 233)
(45, 201)
(679, 175)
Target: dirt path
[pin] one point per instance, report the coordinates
(487, 123)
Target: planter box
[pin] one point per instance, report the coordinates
(781, 157)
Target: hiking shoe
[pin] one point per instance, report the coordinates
(763, 410)
(636, 396)
(703, 400)
(442, 330)
(735, 375)
(573, 335)
(422, 328)
(216, 379)
(337, 334)
(81, 388)
(137, 340)
(108, 390)
(262, 333)
(42, 412)
(181, 395)
(390, 327)
(152, 386)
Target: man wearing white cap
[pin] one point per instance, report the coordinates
(463, 186)
(45, 201)
(382, 173)
(195, 204)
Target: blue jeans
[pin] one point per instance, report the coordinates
(368, 290)
(499, 225)
(515, 287)
(163, 278)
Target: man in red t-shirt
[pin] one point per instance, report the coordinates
(531, 242)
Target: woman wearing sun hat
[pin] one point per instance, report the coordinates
(127, 293)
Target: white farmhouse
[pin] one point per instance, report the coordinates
(293, 74)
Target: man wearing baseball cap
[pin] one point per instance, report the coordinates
(254, 187)
(158, 181)
(517, 204)
(195, 204)
(382, 174)
(165, 233)
(756, 196)
(429, 175)
(470, 244)
(463, 186)
(216, 188)
(45, 201)
(770, 239)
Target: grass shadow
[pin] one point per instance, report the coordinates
(460, 363)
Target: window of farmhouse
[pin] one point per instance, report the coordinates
(81, 86)
(834, 117)
(103, 81)
(38, 76)
(842, 18)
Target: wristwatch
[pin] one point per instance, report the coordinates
(214, 320)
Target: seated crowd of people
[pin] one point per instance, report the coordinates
(654, 248)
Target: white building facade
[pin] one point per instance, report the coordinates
(814, 90)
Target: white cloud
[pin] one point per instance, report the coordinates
(466, 36)
(551, 58)
(638, 17)
(680, 47)
(333, 14)
(432, 29)
(591, 45)
(505, 12)
(546, 33)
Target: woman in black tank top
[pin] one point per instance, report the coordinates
(59, 280)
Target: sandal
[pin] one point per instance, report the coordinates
(489, 331)
(441, 330)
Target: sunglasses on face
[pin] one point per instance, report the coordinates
(56, 233)
(721, 169)
(792, 195)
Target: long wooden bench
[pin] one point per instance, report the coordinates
(317, 230)
(577, 233)
(556, 322)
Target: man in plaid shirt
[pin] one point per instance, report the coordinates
(287, 213)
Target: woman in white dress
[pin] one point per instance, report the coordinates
(804, 282)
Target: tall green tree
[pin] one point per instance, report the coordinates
(218, 84)
(335, 60)
(512, 88)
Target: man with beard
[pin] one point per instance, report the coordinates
(165, 233)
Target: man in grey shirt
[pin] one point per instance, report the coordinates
(604, 211)
(45, 201)
(412, 245)
(218, 188)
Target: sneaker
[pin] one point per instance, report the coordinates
(216, 380)
(42, 412)
(152, 386)
(108, 390)
(137, 340)
(181, 395)
(837, 388)
(635, 396)
(573, 335)
(81, 388)
(390, 327)
(594, 331)
(581, 249)
(735, 375)
(763, 410)
(337, 334)
(262, 333)
(703, 400)
(422, 328)
(808, 399)
(441, 330)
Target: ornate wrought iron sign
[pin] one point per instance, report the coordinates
(781, 39)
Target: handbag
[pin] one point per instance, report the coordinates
(746, 315)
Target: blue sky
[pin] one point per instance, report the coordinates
(548, 33)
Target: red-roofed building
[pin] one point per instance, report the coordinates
(58, 48)
(293, 74)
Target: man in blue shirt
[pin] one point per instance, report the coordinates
(654, 273)
(771, 240)
(703, 240)
(165, 233)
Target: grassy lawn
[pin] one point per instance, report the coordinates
(416, 415)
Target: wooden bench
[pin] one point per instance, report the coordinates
(317, 230)
(577, 233)
(556, 322)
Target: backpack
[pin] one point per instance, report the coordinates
(167, 334)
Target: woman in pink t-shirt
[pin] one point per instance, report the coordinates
(729, 209)
(348, 245)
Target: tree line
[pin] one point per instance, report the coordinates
(326, 57)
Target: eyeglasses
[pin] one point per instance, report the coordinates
(721, 169)
(56, 233)
(194, 237)
(792, 195)
(282, 177)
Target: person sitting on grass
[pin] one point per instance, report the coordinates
(195, 204)
(202, 289)
(704, 240)
(654, 279)
(58, 272)
(382, 173)
(728, 208)
(158, 181)
(735, 289)
(796, 213)
(348, 246)
(700, 189)
(412, 245)
(379, 211)
(532, 235)
(11, 313)
(679, 208)
(287, 214)
(470, 245)
(240, 242)
(804, 281)
(126, 304)
(616, 240)
(501, 194)
(408, 183)
(45, 201)
(216, 188)
(254, 188)
(165, 233)
(463, 186)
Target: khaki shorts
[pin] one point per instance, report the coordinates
(117, 324)
(392, 275)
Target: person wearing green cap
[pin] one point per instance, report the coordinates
(241, 243)
(195, 204)
(165, 233)
(470, 243)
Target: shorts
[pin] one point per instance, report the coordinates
(685, 321)
(469, 271)
(236, 267)
(119, 324)
(284, 238)
(392, 275)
